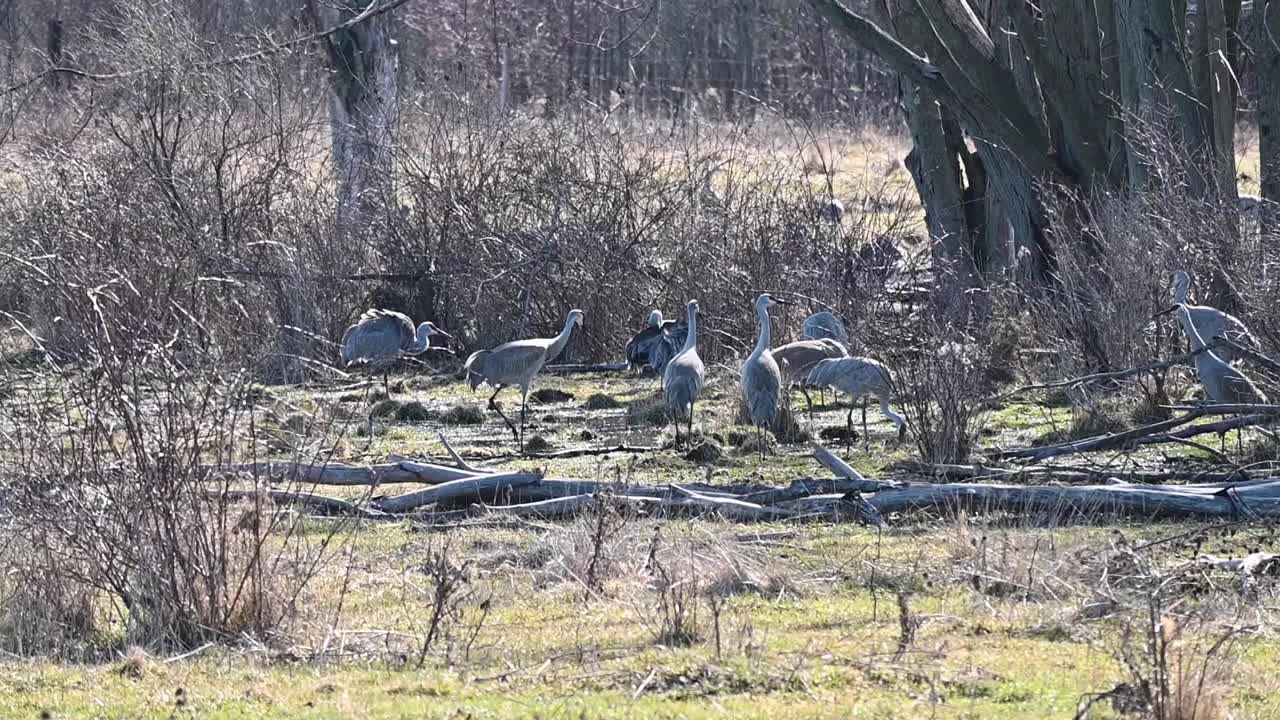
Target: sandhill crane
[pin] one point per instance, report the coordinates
(380, 338)
(671, 342)
(829, 209)
(824, 324)
(683, 378)
(761, 377)
(640, 346)
(516, 363)
(859, 377)
(796, 359)
(1222, 383)
(1210, 323)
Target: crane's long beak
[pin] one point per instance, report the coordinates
(1166, 311)
(780, 301)
(442, 334)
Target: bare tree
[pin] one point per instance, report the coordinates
(1065, 94)
(364, 101)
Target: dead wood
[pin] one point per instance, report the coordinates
(562, 507)
(805, 487)
(588, 451)
(340, 474)
(475, 488)
(1157, 432)
(320, 503)
(1088, 501)
(731, 508)
(1063, 474)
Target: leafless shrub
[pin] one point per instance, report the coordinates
(941, 386)
(450, 589)
(675, 606)
(45, 610)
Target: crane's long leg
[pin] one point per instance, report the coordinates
(848, 431)
(808, 401)
(675, 422)
(386, 382)
(688, 436)
(866, 438)
(495, 407)
(524, 405)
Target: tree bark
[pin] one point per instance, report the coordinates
(363, 107)
(1266, 15)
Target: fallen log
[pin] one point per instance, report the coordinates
(806, 487)
(830, 461)
(1158, 432)
(588, 451)
(322, 503)
(1075, 475)
(341, 474)
(561, 508)
(731, 508)
(481, 488)
(1087, 501)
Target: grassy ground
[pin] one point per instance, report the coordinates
(956, 617)
(707, 620)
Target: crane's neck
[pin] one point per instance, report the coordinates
(1180, 288)
(561, 340)
(1189, 328)
(421, 340)
(762, 340)
(691, 339)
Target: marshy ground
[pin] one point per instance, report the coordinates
(615, 615)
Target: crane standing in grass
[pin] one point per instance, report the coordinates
(683, 379)
(796, 359)
(671, 342)
(825, 324)
(517, 363)
(761, 377)
(380, 338)
(859, 377)
(641, 346)
(1222, 383)
(1209, 322)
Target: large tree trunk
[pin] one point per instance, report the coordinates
(363, 106)
(1085, 97)
(1268, 61)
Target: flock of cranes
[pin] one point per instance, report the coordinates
(820, 359)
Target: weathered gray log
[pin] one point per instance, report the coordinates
(342, 474)
(457, 459)
(563, 507)
(551, 488)
(830, 461)
(588, 451)
(813, 486)
(476, 488)
(1061, 474)
(731, 508)
(1144, 435)
(1088, 501)
(321, 503)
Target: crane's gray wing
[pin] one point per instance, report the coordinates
(683, 380)
(641, 344)
(761, 387)
(376, 338)
(516, 361)
(474, 368)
